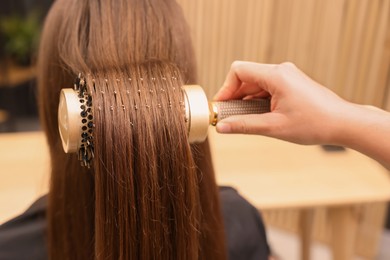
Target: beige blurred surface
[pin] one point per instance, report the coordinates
(24, 171)
(277, 174)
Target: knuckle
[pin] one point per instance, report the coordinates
(288, 65)
(236, 64)
(282, 70)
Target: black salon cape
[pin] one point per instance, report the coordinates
(24, 236)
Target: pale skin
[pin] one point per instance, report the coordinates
(303, 111)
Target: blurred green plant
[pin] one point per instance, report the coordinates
(20, 36)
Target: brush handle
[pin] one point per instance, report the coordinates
(200, 113)
(224, 109)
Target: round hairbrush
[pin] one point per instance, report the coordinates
(75, 119)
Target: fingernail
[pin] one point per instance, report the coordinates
(223, 128)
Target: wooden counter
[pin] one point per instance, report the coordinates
(277, 174)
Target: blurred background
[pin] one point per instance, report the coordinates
(20, 25)
(343, 44)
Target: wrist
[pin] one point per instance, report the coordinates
(346, 124)
(360, 124)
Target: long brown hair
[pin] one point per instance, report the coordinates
(148, 194)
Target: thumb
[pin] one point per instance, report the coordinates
(259, 124)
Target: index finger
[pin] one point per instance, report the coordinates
(253, 74)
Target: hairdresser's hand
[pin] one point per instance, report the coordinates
(302, 111)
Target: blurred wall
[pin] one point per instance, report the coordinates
(343, 44)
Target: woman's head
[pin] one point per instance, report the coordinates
(148, 193)
(102, 35)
